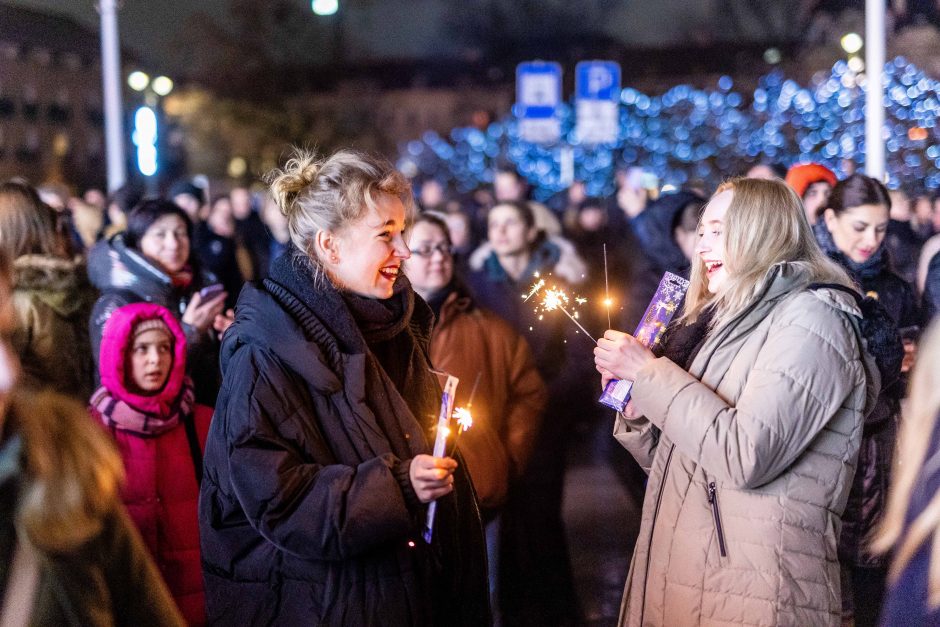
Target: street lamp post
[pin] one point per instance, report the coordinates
(874, 100)
(111, 86)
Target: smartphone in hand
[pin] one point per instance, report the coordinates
(211, 291)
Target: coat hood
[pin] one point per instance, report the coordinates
(116, 341)
(61, 284)
(654, 229)
(112, 265)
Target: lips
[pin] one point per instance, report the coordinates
(865, 253)
(711, 267)
(390, 273)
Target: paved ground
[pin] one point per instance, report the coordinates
(602, 520)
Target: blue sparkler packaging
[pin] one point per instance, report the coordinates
(440, 443)
(658, 314)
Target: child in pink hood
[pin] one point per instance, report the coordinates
(147, 402)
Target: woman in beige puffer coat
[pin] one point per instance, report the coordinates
(751, 446)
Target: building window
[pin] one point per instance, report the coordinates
(60, 111)
(9, 51)
(28, 150)
(30, 102)
(41, 57)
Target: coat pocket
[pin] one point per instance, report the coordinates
(711, 493)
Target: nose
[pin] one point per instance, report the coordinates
(870, 239)
(401, 248)
(702, 245)
(171, 242)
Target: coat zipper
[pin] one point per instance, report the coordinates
(649, 548)
(712, 494)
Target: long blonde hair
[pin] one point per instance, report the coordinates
(765, 224)
(913, 441)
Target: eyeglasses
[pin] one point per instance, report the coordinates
(428, 251)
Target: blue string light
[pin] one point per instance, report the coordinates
(688, 133)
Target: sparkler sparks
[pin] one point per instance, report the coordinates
(556, 298)
(464, 419)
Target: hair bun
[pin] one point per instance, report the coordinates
(298, 174)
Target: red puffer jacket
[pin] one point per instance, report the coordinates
(163, 467)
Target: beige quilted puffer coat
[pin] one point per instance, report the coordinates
(750, 457)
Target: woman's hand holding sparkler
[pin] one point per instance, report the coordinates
(432, 477)
(621, 355)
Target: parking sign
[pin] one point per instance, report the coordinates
(597, 107)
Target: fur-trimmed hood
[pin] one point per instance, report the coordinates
(61, 284)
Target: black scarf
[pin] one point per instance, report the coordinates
(394, 333)
(860, 272)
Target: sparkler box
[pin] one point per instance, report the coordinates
(658, 315)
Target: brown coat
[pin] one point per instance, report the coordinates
(509, 400)
(750, 457)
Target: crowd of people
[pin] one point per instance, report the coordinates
(220, 409)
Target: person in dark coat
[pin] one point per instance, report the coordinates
(851, 231)
(911, 523)
(931, 302)
(317, 467)
(216, 248)
(535, 579)
(669, 225)
(150, 262)
(251, 233)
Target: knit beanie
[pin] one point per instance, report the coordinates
(802, 175)
(151, 324)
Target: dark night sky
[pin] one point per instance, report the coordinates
(379, 29)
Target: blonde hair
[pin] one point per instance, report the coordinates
(765, 224)
(73, 472)
(913, 442)
(327, 194)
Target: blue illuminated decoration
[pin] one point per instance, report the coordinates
(144, 137)
(689, 134)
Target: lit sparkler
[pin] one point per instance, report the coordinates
(556, 298)
(607, 301)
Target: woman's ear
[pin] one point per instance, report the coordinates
(829, 215)
(326, 247)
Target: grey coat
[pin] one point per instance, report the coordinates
(750, 455)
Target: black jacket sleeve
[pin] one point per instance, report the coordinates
(281, 472)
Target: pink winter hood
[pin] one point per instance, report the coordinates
(115, 342)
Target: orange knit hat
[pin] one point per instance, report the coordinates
(802, 175)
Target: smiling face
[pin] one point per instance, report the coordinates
(431, 266)
(166, 243)
(151, 358)
(858, 231)
(711, 244)
(365, 256)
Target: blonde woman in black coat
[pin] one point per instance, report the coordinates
(317, 466)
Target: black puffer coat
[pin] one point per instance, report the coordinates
(306, 512)
(868, 497)
(123, 276)
(931, 303)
